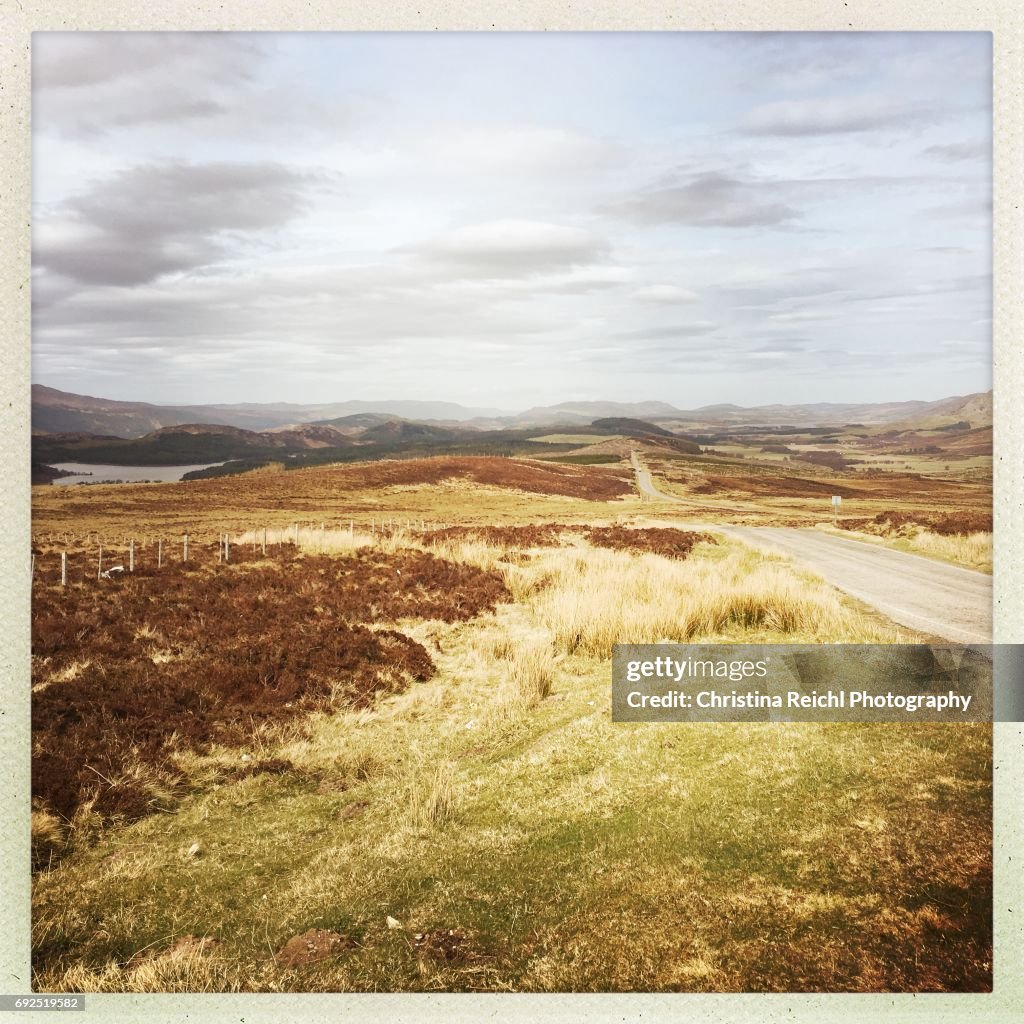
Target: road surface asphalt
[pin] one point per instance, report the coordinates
(923, 594)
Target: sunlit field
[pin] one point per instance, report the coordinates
(366, 744)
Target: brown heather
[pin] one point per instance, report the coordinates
(129, 671)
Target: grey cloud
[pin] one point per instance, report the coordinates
(668, 333)
(343, 314)
(86, 83)
(711, 199)
(73, 60)
(159, 219)
(956, 152)
(833, 116)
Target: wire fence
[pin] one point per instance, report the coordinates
(62, 558)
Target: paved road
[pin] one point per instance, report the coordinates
(643, 479)
(921, 593)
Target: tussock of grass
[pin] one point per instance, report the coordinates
(432, 802)
(594, 599)
(531, 670)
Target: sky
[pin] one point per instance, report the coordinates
(512, 219)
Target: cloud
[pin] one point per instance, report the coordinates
(664, 294)
(833, 116)
(712, 199)
(153, 220)
(513, 149)
(955, 152)
(669, 333)
(514, 248)
(89, 82)
(178, 226)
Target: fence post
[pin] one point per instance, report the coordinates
(99, 564)
(131, 556)
(63, 568)
(160, 553)
(351, 528)
(184, 542)
(264, 540)
(227, 548)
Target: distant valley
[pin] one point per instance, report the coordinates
(70, 428)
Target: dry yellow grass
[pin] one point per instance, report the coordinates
(970, 550)
(532, 666)
(432, 801)
(591, 600)
(973, 550)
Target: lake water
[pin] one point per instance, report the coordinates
(89, 474)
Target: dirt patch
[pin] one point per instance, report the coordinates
(311, 947)
(354, 810)
(449, 944)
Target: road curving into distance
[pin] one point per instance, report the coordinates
(920, 593)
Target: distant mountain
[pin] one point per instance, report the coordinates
(357, 423)
(407, 410)
(60, 412)
(56, 411)
(975, 409)
(183, 444)
(587, 412)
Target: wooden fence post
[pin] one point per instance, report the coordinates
(227, 547)
(264, 540)
(63, 568)
(184, 542)
(99, 564)
(131, 556)
(160, 553)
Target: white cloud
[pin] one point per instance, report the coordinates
(514, 247)
(664, 294)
